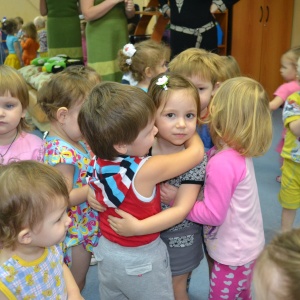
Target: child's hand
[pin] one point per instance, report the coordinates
(127, 226)
(167, 193)
(91, 198)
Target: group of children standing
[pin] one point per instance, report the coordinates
(24, 42)
(112, 154)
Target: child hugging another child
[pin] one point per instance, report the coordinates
(29, 43)
(33, 221)
(178, 111)
(14, 57)
(143, 61)
(16, 143)
(117, 121)
(61, 99)
(233, 233)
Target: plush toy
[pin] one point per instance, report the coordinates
(39, 61)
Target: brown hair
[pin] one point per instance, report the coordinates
(148, 53)
(12, 82)
(28, 189)
(30, 30)
(175, 82)
(114, 113)
(66, 89)
(10, 26)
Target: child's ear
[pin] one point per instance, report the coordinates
(24, 236)
(24, 113)
(61, 114)
(216, 86)
(121, 148)
(148, 72)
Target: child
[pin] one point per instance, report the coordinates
(277, 270)
(40, 25)
(33, 221)
(144, 61)
(124, 177)
(29, 43)
(289, 190)
(200, 67)
(20, 23)
(14, 57)
(289, 74)
(234, 234)
(176, 121)
(15, 141)
(61, 99)
(230, 66)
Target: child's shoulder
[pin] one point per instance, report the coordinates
(33, 139)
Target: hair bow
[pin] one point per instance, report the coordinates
(129, 50)
(163, 82)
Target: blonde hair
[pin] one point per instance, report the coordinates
(293, 55)
(28, 190)
(277, 269)
(30, 29)
(196, 62)
(239, 116)
(66, 89)
(12, 82)
(229, 67)
(39, 22)
(148, 53)
(175, 82)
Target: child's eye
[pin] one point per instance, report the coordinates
(170, 115)
(190, 116)
(201, 89)
(9, 106)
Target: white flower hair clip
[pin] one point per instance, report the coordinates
(163, 82)
(129, 50)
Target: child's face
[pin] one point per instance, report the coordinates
(287, 70)
(71, 126)
(54, 227)
(11, 112)
(176, 119)
(162, 67)
(144, 141)
(205, 88)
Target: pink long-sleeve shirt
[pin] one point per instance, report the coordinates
(234, 232)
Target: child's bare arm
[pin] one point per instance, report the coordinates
(295, 127)
(72, 288)
(2, 296)
(159, 168)
(129, 226)
(276, 103)
(18, 52)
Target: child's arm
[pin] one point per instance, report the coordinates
(92, 12)
(159, 168)
(77, 195)
(276, 103)
(129, 225)
(2, 296)
(72, 288)
(295, 127)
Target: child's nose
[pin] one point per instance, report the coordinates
(181, 123)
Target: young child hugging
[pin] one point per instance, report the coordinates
(61, 99)
(233, 233)
(201, 69)
(289, 190)
(14, 57)
(16, 143)
(40, 25)
(276, 273)
(124, 177)
(178, 110)
(288, 72)
(29, 43)
(33, 221)
(143, 61)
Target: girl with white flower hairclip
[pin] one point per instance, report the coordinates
(178, 111)
(142, 61)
